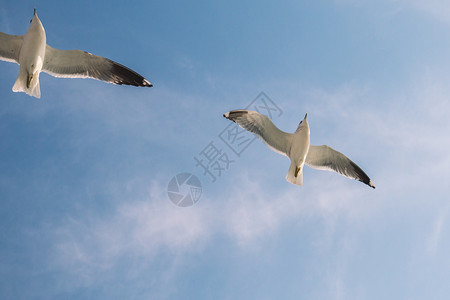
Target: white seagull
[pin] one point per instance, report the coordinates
(33, 55)
(296, 146)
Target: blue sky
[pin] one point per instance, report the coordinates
(84, 170)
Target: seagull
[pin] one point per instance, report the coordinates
(33, 55)
(297, 148)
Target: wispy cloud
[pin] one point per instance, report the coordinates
(145, 229)
(436, 8)
(437, 230)
(136, 229)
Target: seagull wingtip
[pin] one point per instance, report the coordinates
(226, 115)
(371, 184)
(146, 83)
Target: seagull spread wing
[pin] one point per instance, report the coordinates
(82, 64)
(10, 46)
(326, 158)
(262, 126)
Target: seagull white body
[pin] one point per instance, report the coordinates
(33, 55)
(297, 152)
(297, 147)
(31, 59)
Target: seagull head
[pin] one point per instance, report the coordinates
(304, 119)
(34, 15)
(303, 125)
(35, 19)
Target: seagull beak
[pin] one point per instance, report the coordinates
(305, 116)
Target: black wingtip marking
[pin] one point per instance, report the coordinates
(362, 176)
(234, 114)
(237, 113)
(123, 75)
(229, 117)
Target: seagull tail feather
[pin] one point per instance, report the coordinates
(36, 91)
(21, 85)
(21, 82)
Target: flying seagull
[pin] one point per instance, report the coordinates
(296, 146)
(33, 55)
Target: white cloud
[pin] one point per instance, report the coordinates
(436, 233)
(437, 8)
(144, 229)
(137, 229)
